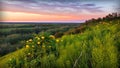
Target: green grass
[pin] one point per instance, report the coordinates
(6, 58)
(95, 48)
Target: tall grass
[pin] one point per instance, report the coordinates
(95, 48)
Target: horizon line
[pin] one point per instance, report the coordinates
(82, 21)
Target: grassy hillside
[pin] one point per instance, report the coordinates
(97, 47)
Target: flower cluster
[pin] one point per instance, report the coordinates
(43, 43)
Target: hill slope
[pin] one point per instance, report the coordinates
(97, 47)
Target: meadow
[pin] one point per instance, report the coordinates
(90, 45)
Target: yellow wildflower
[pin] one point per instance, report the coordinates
(33, 46)
(27, 41)
(50, 46)
(38, 38)
(28, 53)
(43, 46)
(27, 46)
(57, 40)
(30, 40)
(38, 42)
(51, 36)
(43, 37)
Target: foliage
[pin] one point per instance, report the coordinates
(95, 48)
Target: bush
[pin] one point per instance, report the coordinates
(36, 49)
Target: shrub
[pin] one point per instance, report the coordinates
(37, 48)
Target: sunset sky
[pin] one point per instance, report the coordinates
(55, 10)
